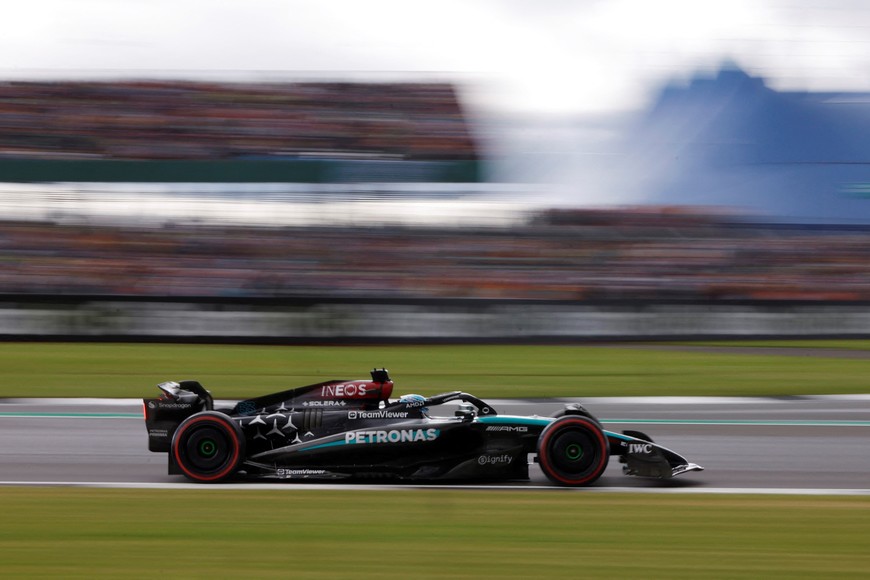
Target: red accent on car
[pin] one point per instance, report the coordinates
(358, 390)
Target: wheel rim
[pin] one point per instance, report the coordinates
(574, 452)
(208, 449)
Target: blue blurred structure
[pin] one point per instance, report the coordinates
(730, 140)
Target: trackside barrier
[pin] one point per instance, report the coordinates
(484, 320)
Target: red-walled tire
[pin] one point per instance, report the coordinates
(208, 447)
(573, 451)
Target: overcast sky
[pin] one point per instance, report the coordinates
(556, 56)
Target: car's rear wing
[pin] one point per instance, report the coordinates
(178, 401)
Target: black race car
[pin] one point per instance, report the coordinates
(351, 429)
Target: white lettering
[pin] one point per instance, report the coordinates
(287, 473)
(495, 459)
(340, 390)
(392, 436)
(162, 405)
(377, 415)
(509, 428)
(324, 404)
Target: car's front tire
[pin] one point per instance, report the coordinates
(208, 447)
(573, 451)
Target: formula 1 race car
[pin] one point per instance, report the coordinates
(350, 429)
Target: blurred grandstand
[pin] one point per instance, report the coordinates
(189, 139)
(163, 131)
(564, 255)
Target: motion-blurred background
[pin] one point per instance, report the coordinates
(293, 171)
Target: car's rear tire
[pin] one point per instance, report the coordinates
(208, 447)
(573, 451)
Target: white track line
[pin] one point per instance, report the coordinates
(664, 400)
(290, 487)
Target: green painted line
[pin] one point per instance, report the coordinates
(42, 415)
(513, 420)
(506, 420)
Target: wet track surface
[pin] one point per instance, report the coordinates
(803, 443)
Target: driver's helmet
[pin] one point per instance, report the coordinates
(414, 401)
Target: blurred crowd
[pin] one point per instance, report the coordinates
(581, 255)
(635, 254)
(206, 121)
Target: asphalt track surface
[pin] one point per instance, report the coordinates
(795, 444)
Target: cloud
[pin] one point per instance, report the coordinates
(555, 56)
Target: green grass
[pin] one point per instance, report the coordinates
(839, 344)
(229, 371)
(217, 533)
(210, 533)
